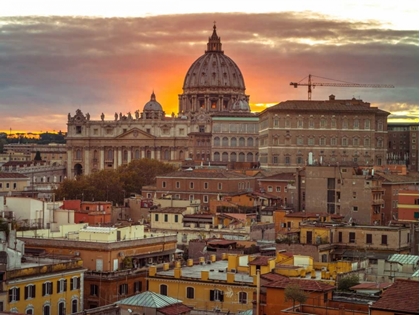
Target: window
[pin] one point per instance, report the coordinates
(190, 292)
(344, 141)
(270, 188)
(47, 288)
(300, 123)
(206, 185)
(191, 185)
(243, 298)
(74, 306)
(299, 141)
(368, 238)
(219, 186)
(340, 237)
(178, 185)
(176, 218)
(333, 141)
(47, 310)
(165, 217)
(311, 124)
(94, 289)
(61, 308)
(205, 199)
(354, 195)
(14, 294)
(384, 240)
(78, 129)
(75, 283)
(356, 124)
(164, 184)
(163, 289)
(216, 295)
(352, 237)
(287, 160)
(278, 188)
(137, 286)
(275, 159)
(29, 310)
(181, 131)
(311, 141)
(156, 217)
(61, 285)
(123, 290)
(354, 208)
(30, 292)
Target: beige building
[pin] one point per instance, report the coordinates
(353, 192)
(214, 123)
(297, 133)
(13, 183)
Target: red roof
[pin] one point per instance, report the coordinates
(401, 296)
(371, 286)
(260, 261)
(6, 175)
(272, 276)
(304, 284)
(175, 309)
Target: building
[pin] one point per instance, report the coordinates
(37, 285)
(116, 258)
(92, 212)
(54, 153)
(408, 206)
(214, 123)
(353, 192)
(199, 184)
(12, 183)
(400, 298)
(297, 133)
(403, 146)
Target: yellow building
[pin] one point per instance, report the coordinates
(224, 285)
(46, 286)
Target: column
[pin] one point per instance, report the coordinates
(69, 162)
(129, 150)
(115, 157)
(119, 156)
(101, 158)
(86, 160)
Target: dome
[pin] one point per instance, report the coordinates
(152, 105)
(214, 71)
(241, 105)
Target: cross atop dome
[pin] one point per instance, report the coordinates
(214, 44)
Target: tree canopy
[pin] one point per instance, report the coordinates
(294, 293)
(114, 185)
(345, 283)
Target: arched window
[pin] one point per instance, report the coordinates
(241, 157)
(233, 157)
(241, 141)
(216, 141)
(163, 289)
(216, 156)
(225, 157)
(74, 306)
(78, 154)
(250, 142)
(233, 142)
(225, 142)
(190, 293)
(61, 308)
(137, 154)
(110, 155)
(249, 157)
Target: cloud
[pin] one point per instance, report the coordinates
(50, 66)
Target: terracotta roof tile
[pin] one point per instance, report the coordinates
(260, 261)
(272, 276)
(175, 309)
(371, 286)
(401, 296)
(306, 285)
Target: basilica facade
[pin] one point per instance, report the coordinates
(214, 124)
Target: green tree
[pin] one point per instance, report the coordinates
(345, 283)
(143, 172)
(294, 293)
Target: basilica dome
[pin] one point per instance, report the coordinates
(152, 105)
(214, 70)
(213, 83)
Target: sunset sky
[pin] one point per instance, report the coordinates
(57, 57)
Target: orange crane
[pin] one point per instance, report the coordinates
(311, 85)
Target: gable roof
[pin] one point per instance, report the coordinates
(401, 296)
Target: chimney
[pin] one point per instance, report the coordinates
(152, 271)
(177, 273)
(204, 275)
(230, 277)
(166, 266)
(190, 262)
(332, 97)
(213, 258)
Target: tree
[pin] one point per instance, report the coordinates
(294, 293)
(345, 283)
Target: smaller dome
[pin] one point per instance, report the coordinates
(241, 105)
(153, 105)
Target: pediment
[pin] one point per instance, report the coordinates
(135, 134)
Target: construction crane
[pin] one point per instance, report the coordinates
(311, 85)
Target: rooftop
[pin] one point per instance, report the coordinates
(401, 296)
(217, 271)
(404, 259)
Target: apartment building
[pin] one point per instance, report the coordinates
(403, 146)
(297, 133)
(115, 258)
(199, 184)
